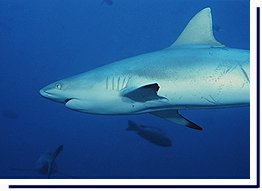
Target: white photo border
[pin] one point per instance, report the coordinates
(252, 182)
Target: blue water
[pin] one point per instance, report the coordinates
(47, 40)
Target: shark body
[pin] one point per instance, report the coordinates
(195, 72)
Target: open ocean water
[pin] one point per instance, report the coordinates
(46, 40)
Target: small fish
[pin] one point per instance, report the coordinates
(151, 134)
(108, 2)
(9, 114)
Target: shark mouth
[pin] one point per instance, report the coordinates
(67, 100)
(74, 104)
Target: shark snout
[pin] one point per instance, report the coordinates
(47, 93)
(44, 92)
(53, 94)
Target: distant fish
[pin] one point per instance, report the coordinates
(108, 2)
(9, 114)
(151, 134)
(46, 163)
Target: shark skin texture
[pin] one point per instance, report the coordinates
(195, 72)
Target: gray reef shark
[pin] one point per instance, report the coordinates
(195, 72)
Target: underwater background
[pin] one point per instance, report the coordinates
(46, 40)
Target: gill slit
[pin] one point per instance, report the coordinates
(107, 83)
(123, 83)
(113, 83)
(118, 80)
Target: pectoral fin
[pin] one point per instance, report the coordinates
(174, 116)
(143, 93)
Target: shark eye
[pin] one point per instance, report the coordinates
(58, 86)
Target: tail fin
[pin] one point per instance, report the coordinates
(132, 126)
(54, 155)
(57, 151)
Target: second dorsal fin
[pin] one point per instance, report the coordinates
(198, 31)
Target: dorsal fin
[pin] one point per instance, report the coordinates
(198, 31)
